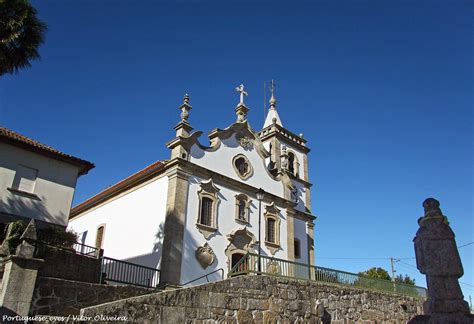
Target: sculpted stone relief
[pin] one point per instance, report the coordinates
(205, 255)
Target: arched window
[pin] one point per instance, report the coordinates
(291, 163)
(271, 235)
(99, 238)
(272, 228)
(206, 211)
(241, 209)
(242, 206)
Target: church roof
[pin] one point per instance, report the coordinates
(16, 139)
(121, 186)
(272, 113)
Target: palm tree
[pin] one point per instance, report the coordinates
(21, 33)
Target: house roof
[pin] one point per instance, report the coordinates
(121, 186)
(16, 139)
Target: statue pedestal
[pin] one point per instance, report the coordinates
(18, 284)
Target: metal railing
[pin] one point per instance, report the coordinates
(249, 264)
(128, 273)
(45, 241)
(206, 276)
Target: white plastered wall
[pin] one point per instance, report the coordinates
(300, 234)
(220, 161)
(54, 187)
(134, 224)
(226, 224)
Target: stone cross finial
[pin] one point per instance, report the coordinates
(243, 93)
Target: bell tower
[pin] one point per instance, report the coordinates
(289, 156)
(289, 152)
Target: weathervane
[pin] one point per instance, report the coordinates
(243, 93)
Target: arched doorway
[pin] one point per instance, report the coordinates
(236, 257)
(241, 242)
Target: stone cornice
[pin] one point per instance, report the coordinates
(284, 135)
(304, 216)
(305, 183)
(223, 179)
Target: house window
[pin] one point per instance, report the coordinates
(242, 166)
(242, 208)
(25, 179)
(206, 211)
(271, 237)
(297, 246)
(99, 238)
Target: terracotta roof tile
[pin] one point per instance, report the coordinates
(125, 184)
(14, 138)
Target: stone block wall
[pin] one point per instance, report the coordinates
(54, 296)
(64, 264)
(264, 299)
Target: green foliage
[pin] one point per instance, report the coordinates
(57, 236)
(17, 229)
(50, 235)
(380, 273)
(21, 33)
(405, 280)
(376, 273)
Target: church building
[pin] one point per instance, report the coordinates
(207, 206)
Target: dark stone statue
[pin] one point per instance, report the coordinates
(437, 257)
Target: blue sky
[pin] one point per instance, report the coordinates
(382, 91)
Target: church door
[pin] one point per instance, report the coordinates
(235, 259)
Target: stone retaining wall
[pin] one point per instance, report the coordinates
(54, 296)
(263, 299)
(64, 264)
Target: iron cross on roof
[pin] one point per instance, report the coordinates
(243, 93)
(272, 87)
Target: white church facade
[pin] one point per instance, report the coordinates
(207, 206)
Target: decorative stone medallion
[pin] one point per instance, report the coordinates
(246, 143)
(273, 268)
(205, 255)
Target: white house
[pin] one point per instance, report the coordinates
(36, 181)
(199, 211)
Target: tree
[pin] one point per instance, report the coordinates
(376, 273)
(405, 280)
(380, 273)
(21, 33)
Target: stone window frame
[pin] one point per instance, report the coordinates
(248, 201)
(272, 212)
(250, 168)
(100, 245)
(208, 190)
(232, 248)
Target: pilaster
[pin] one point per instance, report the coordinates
(18, 284)
(290, 232)
(310, 233)
(171, 260)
